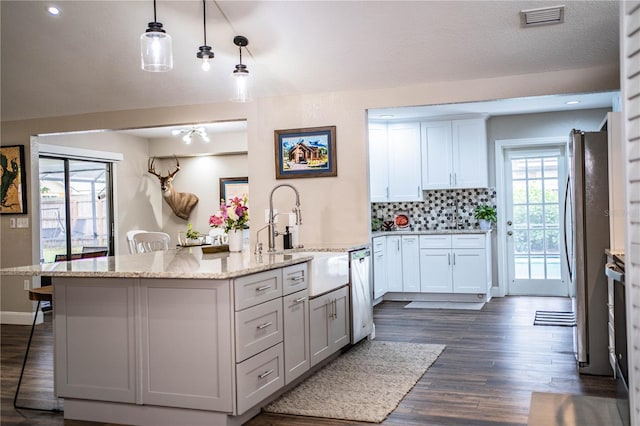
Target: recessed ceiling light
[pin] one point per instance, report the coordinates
(387, 116)
(53, 10)
(572, 102)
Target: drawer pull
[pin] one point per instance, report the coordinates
(265, 374)
(265, 325)
(263, 288)
(300, 300)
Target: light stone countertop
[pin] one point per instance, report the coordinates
(184, 262)
(431, 232)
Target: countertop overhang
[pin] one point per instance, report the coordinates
(185, 262)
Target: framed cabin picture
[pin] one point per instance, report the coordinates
(13, 184)
(302, 153)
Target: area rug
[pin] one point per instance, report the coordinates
(556, 318)
(364, 384)
(476, 306)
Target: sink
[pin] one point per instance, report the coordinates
(327, 271)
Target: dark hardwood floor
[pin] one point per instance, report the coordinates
(495, 358)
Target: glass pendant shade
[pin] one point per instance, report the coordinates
(242, 84)
(155, 49)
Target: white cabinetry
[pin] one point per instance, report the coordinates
(454, 154)
(380, 286)
(394, 263)
(410, 264)
(394, 162)
(455, 263)
(328, 324)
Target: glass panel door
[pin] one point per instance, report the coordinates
(75, 208)
(533, 227)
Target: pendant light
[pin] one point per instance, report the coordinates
(155, 47)
(241, 74)
(204, 51)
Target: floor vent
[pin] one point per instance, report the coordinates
(542, 16)
(555, 318)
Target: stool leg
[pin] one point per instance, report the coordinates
(24, 364)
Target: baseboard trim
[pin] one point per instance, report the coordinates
(20, 318)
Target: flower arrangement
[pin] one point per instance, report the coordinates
(234, 215)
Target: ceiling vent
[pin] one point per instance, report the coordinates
(542, 16)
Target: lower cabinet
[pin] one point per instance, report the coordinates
(329, 327)
(410, 264)
(296, 335)
(394, 263)
(454, 263)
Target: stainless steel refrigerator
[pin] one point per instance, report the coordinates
(586, 238)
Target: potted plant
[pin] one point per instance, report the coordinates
(485, 215)
(191, 237)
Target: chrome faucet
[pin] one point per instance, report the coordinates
(272, 231)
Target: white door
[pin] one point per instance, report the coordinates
(534, 191)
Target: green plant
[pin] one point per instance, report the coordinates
(191, 234)
(485, 212)
(376, 224)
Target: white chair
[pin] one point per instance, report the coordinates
(130, 235)
(151, 241)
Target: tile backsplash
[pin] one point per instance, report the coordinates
(438, 210)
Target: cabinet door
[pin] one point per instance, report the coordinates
(470, 154)
(296, 335)
(378, 162)
(405, 178)
(435, 271)
(410, 264)
(379, 273)
(436, 155)
(94, 333)
(319, 332)
(470, 271)
(340, 321)
(185, 327)
(394, 263)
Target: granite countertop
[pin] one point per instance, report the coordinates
(183, 262)
(431, 232)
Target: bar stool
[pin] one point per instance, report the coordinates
(42, 294)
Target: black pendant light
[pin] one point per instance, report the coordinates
(155, 47)
(204, 52)
(241, 74)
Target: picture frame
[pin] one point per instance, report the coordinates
(231, 187)
(13, 182)
(305, 153)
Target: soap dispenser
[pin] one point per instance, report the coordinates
(286, 237)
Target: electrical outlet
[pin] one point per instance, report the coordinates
(12, 222)
(266, 216)
(23, 222)
(27, 285)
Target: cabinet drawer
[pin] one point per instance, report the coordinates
(294, 278)
(435, 241)
(379, 244)
(468, 241)
(253, 289)
(258, 328)
(259, 377)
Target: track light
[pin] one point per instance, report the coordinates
(155, 47)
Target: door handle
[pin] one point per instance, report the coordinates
(449, 258)
(509, 223)
(509, 233)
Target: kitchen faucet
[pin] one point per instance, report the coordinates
(271, 225)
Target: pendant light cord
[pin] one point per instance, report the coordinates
(154, 11)
(204, 20)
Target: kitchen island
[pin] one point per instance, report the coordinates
(182, 337)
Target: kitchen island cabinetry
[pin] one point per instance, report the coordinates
(454, 154)
(329, 326)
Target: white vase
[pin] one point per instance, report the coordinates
(234, 239)
(485, 224)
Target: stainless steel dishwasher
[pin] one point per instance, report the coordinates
(361, 294)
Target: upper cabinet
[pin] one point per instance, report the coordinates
(394, 162)
(454, 154)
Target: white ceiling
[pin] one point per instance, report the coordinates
(87, 59)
